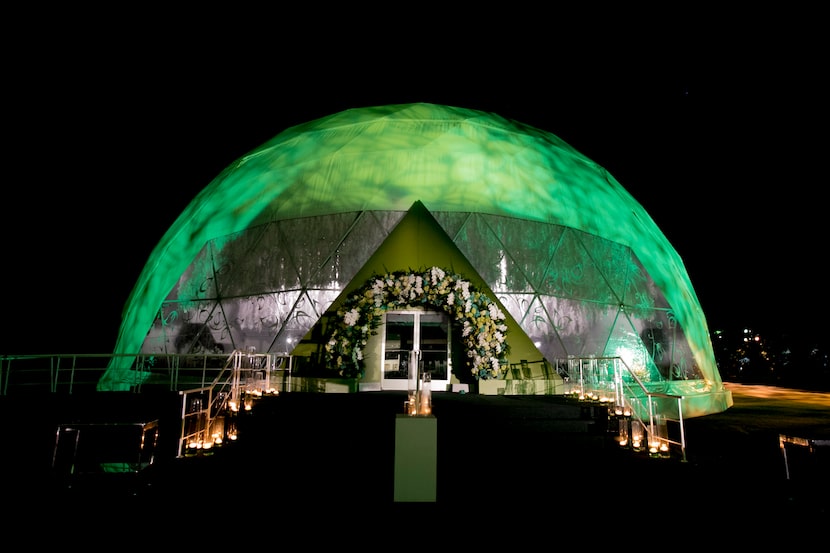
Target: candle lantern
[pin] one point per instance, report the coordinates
(567, 387)
(637, 435)
(217, 427)
(413, 382)
(624, 424)
(661, 438)
(419, 398)
(659, 441)
(193, 449)
(425, 404)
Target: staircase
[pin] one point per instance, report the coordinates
(597, 401)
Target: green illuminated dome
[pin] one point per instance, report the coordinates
(272, 243)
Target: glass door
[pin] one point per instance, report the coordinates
(424, 331)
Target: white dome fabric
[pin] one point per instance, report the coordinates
(272, 242)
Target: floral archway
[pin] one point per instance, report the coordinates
(482, 321)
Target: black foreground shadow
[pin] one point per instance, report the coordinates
(313, 461)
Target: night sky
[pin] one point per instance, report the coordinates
(110, 134)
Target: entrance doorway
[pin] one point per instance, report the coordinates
(414, 330)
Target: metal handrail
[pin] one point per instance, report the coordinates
(621, 399)
(71, 373)
(244, 376)
(206, 383)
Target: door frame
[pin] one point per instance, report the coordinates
(398, 356)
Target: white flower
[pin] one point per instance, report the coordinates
(436, 274)
(377, 288)
(351, 317)
(495, 312)
(465, 289)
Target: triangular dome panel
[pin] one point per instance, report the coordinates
(300, 219)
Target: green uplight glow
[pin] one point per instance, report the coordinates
(387, 158)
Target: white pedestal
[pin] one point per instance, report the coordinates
(416, 457)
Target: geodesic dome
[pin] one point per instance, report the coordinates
(260, 255)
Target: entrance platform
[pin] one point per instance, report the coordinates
(501, 461)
